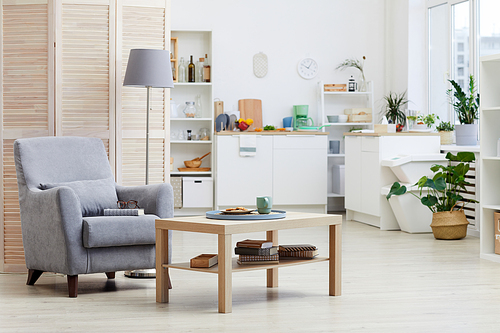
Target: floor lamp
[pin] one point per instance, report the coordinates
(148, 68)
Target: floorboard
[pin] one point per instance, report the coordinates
(392, 282)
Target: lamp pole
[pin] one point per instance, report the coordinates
(147, 136)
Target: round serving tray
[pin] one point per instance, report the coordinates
(275, 214)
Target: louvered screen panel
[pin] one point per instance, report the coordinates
(85, 96)
(25, 105)
(142, 27)
(470, 208)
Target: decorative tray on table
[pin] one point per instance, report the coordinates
(249, 215)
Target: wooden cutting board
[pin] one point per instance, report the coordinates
(251, 108)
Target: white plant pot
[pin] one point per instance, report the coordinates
(466, 134)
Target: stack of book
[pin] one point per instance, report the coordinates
(301, 251)
(253, 251)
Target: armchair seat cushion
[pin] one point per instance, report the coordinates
(108, 231)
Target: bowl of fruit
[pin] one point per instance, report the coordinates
(244, 124)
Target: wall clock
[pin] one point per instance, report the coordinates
(308, 68)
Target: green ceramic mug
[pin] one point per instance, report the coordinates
(264, 205)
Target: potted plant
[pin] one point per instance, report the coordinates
(441, 195)
(467, 110)
(445, 129)
(393, 109)
(426, 122)
(355, 63)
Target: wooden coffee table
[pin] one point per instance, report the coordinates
(227, 264)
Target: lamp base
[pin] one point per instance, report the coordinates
(141, 273)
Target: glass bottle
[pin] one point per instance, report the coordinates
(206, 70)
(189, 135)
(174, 76)
(191, 70)
(199, 109)
(182, 70)
(199, 72)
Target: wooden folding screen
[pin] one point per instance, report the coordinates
(61, 73)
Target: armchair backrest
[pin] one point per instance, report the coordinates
(60, 159)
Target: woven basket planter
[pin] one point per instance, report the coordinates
(446, 137)
(449, 225)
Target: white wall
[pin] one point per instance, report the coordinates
(286, 31)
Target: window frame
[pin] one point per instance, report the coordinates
(473, 44)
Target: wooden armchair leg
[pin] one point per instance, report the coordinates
(33, 276)
(73, 285)
(110, 275)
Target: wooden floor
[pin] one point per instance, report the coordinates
(392, 282)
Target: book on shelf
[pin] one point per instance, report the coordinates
(247, 258)
(300, 251)
(256, 252)
(256, 260)
(255, 244)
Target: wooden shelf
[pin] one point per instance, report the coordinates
(192, 141)
(179, 173)
(192, 83)
(191, 119)
(241, 268)
(494, 207)
(347, 93)
(496, 108)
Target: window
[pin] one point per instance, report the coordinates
(459, 33)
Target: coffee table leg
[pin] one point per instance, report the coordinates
(272, 273)
(225, 274)
(335, 261)
(161, 273)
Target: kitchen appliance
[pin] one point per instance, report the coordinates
(300, 118)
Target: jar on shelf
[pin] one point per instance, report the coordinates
(190, 110)
(204, 134)
(198, 106)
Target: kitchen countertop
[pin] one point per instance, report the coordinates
(390, 134)
(273, 133)
(455, 148)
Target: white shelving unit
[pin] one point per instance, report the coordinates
(196, 43)
(489, 161)
(334, 103)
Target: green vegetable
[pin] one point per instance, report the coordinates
(269, 128)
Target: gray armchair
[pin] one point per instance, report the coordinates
(65, 183)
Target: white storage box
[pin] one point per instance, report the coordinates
(338, 178)
(197, 192)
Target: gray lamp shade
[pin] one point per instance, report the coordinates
(149, 68)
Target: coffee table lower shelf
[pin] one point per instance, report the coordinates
(240, 268)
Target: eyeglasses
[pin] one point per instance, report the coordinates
(131, 204)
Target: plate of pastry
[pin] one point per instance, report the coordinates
(237, 211)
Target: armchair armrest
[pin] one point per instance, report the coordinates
(156, 199)
(52, 230)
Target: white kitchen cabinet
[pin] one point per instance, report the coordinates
(299, 164)
(289, 167)
(365, 176)
(241, 179)
(353, 173)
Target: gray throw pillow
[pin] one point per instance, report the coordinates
(94, 195)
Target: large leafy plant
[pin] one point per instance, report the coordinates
(466, 107)
(442, 192)
(393, 108)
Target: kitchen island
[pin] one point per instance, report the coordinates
(365, 177)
